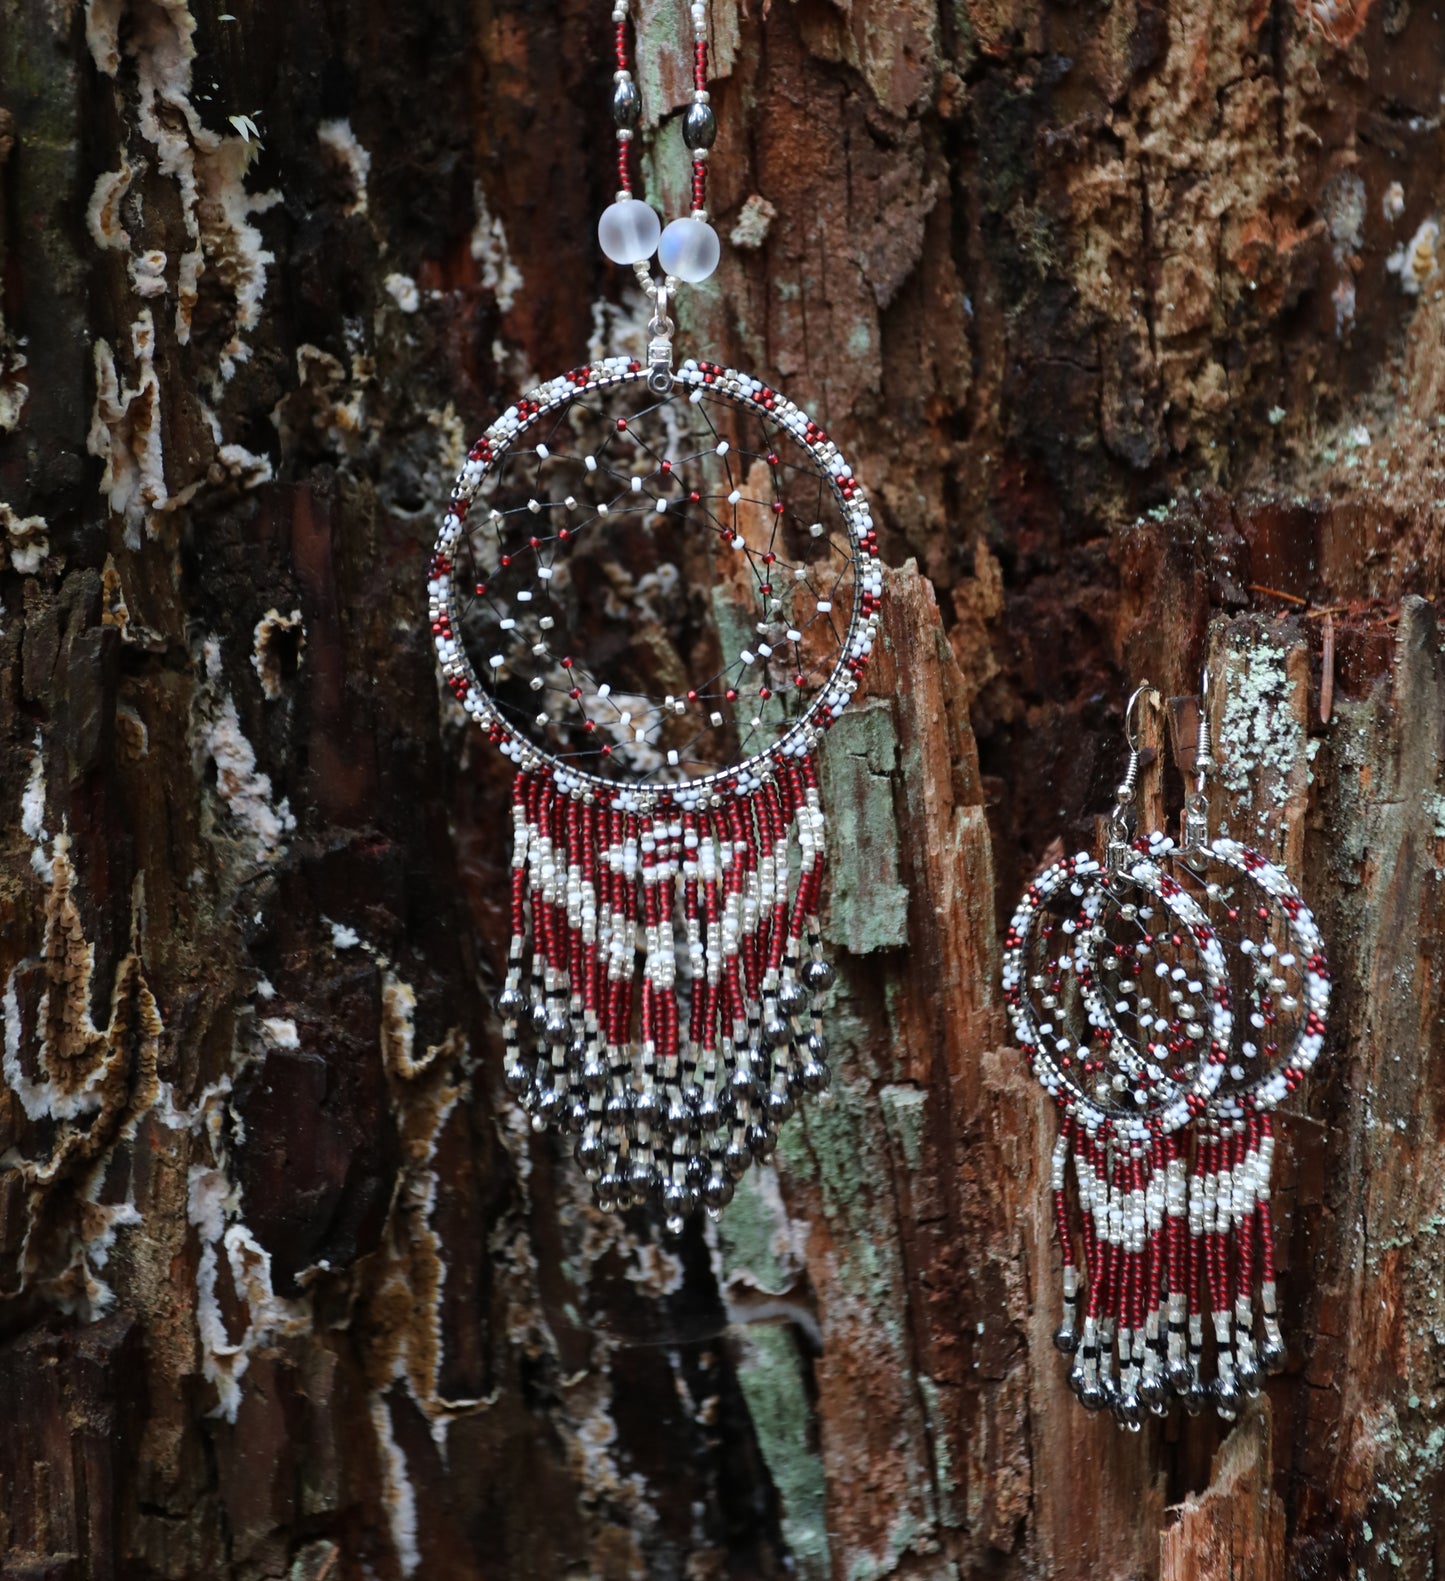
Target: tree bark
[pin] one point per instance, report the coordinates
(1131, 318)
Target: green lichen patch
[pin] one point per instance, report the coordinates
(868, 905)
(904, 1111)
(752, 1235)
(772, 1376)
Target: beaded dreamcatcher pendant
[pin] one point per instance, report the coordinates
(655, 589)
(1168, 998)
(655, 596)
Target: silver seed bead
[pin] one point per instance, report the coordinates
(815, 1076)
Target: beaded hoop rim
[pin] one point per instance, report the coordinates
(802, 734)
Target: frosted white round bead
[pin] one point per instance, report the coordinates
(689, 249)
(628, 231)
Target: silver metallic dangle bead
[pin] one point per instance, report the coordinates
(792, 998)
(815, 1076)
(817, 974)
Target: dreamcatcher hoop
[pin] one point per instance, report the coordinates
(1272, 1084)
(801, 734)
(1043, 1043)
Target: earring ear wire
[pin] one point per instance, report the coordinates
(1127, 788)
(1195, 831)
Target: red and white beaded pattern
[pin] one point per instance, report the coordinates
(1133, 1261)
(594, 884)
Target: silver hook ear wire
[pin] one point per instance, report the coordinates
(1196, 807)
(1127, 788)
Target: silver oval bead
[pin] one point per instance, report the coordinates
(699, 126)
(626, 106)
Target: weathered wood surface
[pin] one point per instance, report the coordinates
(1139, 346)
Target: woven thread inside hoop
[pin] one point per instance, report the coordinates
(668, 596)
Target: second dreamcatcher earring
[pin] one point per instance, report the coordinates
(655, 589)
(1174, 1210)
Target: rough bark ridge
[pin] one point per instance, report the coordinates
(1132, 318)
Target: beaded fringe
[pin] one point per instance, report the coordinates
(1172, 1257)
(662, 999)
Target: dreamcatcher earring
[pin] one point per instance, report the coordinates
(1119, 996)
(655, 589)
